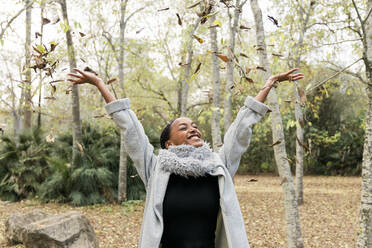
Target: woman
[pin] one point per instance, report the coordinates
(190, 201)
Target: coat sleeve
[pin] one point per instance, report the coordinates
(136, 142)
(238, 136)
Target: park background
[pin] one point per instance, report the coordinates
(60, 150)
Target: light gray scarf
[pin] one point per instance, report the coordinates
(187, 160)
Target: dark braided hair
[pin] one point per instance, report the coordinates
(165, 135)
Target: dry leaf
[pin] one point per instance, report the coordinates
(50, 98)
(83, 60)
(50, 138)
(244, 27)
(197, 68)
(277, 55)
(53, 46)
(37, 50)
(260, 49)
(252, 180)
(159, 10)
(45, 21)
(80, 147)
(244, 55)
(194, 5)
(179, 19)
(283, 180)
(139, 31)
(276, 143)
(200, 40)
(54, 89)
(250, 80)
(82, 34)
(37, 34)
(260, 68)
(273, 20)
(88, 69)
(248, 70)
(224, 58)
(111, 80)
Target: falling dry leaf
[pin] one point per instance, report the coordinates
(194, 5)
(276, 143)
(45, 21)
(53, 46)
(197, 68)
(80, 147)
(260, 68)
(244, 55)
(179, 19)
(54, 89)
(88, 69)
(200, 40)
(50, 98)
(81, 34)
(37, 50)
(283, 180)
(244, 27)
(260, 49)
(224, 58)
(139, 31)
(250, 80)
(111, 81)
(159, 10)
(37, 34)
(277, 55)
(273, 20)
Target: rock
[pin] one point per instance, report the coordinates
(16, 225)
(70, 230)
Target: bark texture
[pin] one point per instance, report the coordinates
(365, 231)
(27, 88)
(184, 83)
(304, 17)
(76, 122)
(216, 116)
(122, 180)
(291, 209)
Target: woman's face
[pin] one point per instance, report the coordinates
(184, 131)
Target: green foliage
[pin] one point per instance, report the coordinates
(23, 165)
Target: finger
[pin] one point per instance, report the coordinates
(74, 81)
(80, 71)
(291, 71)
(74, 75)
(297, 78)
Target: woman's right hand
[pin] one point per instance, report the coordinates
(82, 77)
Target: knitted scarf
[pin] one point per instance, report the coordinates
(187, 160)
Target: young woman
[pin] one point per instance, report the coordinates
(190, 201)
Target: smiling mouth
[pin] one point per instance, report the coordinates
(193, 136)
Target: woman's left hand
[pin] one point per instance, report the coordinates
(289, 75)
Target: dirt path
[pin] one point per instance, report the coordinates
(329, 216)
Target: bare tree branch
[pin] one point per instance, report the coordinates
(133, 13)
(333, 76)
(13, 18)
(338, 68)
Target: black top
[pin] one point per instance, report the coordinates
(190, 209)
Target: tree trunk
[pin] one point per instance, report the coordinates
(27, 85)
(365, 230)
(215, 123)
(76, 122)
(290, 203)
(42, 6)
(122, 180)
(227, 111)
(298, 110)
(187, 75)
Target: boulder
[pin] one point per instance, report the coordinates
(16, 225)
(69, 230)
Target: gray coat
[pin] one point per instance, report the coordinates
(230, 231)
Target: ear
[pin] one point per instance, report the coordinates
(168, 143)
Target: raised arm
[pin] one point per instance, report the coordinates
(237, 137)
(136, 143)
